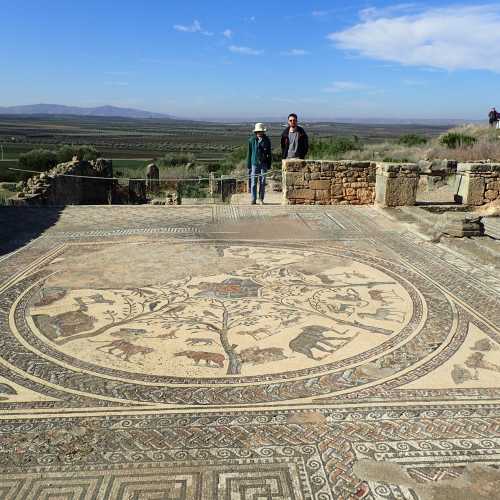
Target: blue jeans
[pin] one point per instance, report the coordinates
(258, 177)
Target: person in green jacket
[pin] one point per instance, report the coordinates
(259, 161)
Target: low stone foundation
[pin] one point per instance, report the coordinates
(314, 182)
(62, 186)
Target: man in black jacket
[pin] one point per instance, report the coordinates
(493, 117)
(294, 140)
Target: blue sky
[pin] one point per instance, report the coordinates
(233, 59)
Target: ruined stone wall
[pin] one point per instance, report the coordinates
(478, 183)
(313, 182)
(58, 186)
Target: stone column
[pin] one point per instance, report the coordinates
(478, 183)
(396, 184)
(294, 182)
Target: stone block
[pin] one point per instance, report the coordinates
(294, 165)
(472, 190)
(365, 195)
(322, 194)
(301, 194)
(491, 194)
(460, 224)
(350, 191)
(294, 178)
(320, 184)
(396, 191)
(337, 190)
(474, 167)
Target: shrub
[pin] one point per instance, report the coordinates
(38, 159)
(192, 189)
(173, 160)
(326, 149)
(454, 140)
(65, 153)
(412, 140)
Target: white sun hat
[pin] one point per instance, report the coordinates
(260, 127)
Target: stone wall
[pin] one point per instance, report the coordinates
(62, 185)
(478, 183)
(314, 182)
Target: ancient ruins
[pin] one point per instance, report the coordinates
(340, 342)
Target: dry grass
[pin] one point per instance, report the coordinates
(487, 147)
(387, 151)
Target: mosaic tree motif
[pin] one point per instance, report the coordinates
(234, 314)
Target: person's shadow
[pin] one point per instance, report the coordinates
(20, 225)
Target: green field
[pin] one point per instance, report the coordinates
(133, 143)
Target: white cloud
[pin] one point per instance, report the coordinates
(192, 28)
(390, 10)
(228, 34)
(295, 52)
(343, 86)
(466, 37)
(245, 50)
(195, 27)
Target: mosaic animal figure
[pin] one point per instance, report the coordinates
(49, 296)
(99, 299)
(72, 322)
(210, 358)
(313, 337)
(258, 356)
(349, 296)
(199, 341)
(169, 335)
(124, 350)
(484, 345)
(477, 360)
(259, 334)
(384, 296)
(460, 375)
(384, 314)
(129, 332)
(341, 308)
(93, 299)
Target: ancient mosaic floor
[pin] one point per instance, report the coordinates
(245, 353)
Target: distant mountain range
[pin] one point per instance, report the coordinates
(58, 109)
(117, 112)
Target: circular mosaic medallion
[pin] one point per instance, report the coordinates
(258, 323)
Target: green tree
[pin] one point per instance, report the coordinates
(38, 159)
(412, 140)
